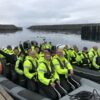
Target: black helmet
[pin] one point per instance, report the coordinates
(85, 48)
(9, 47)
(27, 45)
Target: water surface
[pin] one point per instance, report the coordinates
(55, 37)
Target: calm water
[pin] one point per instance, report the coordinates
(54, 37)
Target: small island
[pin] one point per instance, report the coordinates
(9, 28)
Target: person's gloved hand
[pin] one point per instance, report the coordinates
(58, 82)
(34, 77)
(52, 84)
(71, 72)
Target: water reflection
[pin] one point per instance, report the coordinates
(8, 31)
(54, 37)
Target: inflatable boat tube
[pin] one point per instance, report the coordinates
(87, 73)
(18, 92)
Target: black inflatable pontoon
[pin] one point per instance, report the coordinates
(87, 73)
(20, 93)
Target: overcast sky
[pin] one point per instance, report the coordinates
(37, 12)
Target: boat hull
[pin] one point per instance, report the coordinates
(87, 73)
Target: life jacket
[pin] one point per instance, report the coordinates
(34, 68)
(62, 65)
(73, 58)
(49, 73)
(20, 66)
(85, 60)
(98, 60)
(66, 54)
(94, 53)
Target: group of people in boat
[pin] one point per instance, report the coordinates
(48, 69)
(85, 58)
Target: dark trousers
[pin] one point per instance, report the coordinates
(50, 92)
(60, 90)
(10, 72)
(32, 85)
(93, 68)
(65, 84)
(21, 80)
(69, 83)
(73, 81)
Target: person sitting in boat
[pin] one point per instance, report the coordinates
(65, 52)
(19, 69)
(9, 50)
(41, 54)
(83, 58)
(93, 52)
(25, 46)
(16, 51)
(98, 52)
(96, 63)
(10, 56)
(65, 71)
(50, 45)
(48, 78)
(32, 45)
(72, 54)
(43, 45)
(1, 56)
(30, 70)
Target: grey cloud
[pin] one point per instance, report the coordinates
(29, 12)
